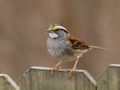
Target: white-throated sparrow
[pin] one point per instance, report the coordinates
(65, 47)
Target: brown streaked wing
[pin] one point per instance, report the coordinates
(76, 43)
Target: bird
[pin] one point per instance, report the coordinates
(65, 47)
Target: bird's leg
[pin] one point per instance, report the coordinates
(73, 69)
(56, 67)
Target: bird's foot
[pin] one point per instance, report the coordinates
(72, 71)
(53, 69)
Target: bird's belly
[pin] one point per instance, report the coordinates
(61, 55)
(63, 52)
(67, 58)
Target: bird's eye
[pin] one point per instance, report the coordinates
(57, 30)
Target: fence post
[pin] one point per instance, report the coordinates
(110, 79)
(6, 83)
(39, 78)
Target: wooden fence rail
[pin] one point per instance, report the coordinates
(39, 78)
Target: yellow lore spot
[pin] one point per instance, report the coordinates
(54, 28)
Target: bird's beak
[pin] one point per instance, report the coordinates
(49, 31)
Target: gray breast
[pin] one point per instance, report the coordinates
(60, 49)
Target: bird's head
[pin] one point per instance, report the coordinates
(57, 30)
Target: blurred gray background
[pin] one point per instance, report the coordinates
(23, 25)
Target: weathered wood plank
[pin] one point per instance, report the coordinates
(6, 83)
(39, 78)
(110, 79)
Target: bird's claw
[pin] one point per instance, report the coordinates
(53, 69)
(71, 71)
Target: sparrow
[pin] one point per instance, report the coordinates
(66, 47)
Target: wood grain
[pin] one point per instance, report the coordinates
(6, 83)
(39, 78)
(110, 79)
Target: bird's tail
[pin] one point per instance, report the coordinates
(96, 47)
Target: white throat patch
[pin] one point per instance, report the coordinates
(53, 35)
